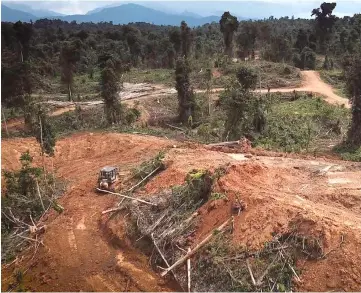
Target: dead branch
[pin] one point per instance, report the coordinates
(294, 272)
(175, 127)
(39, 194)
(145, 178)
(126, 196)
(231, 275)
(250, 272)
(112, 210)
(225, 143)
(161, 254)
(260, 280)
(198, 246)
(189, 271)
(30, 239)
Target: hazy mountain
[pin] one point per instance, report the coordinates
(13, 15)
(26, 8)
(122, 14)
(127, 13)
(191, 14)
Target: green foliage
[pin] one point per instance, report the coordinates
(293, 126)
(305, 60)
(349, 152)
(217, 195)
(247, 78)
(21, 203)
(69, 56)
(336, 78)
(44, 132)
(353, 87)
(239, 103)
(228, 25)
(186, 39)
(149, 166)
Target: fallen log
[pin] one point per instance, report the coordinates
(189, 271)
(175, 127)
(126, 196)
(112, 210)
(145, 178)
(225, 143)
(195, 249)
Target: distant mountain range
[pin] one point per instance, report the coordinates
(26, 8)
(122, 14)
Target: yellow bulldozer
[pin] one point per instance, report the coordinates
(108, 176)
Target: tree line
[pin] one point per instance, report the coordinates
(51, 48)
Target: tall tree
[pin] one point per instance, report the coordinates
(228, 25)
(353, 83)
(110, 93)
(44, 132)
(186, 101)
(69, 56)
(23, 33)
(325, 21)
(175, 38)
(247, 38)
(186, 37)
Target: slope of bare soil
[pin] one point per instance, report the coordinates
(77, 253)
(84, 252)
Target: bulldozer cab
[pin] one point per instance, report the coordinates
(108, 174)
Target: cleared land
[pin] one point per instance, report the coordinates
(84, 250)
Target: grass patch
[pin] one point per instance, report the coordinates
(348, 152)
(336, 79)
(162, 76)
(293, 126)
(274, 75)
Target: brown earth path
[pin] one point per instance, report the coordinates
(81, 252)
(311, 82)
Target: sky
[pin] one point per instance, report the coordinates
(245, 8)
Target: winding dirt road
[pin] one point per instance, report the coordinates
(312, 82)
(137, 92)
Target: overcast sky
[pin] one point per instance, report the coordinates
(241, 8)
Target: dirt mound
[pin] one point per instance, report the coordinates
(83, 251)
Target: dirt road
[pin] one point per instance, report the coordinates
(85, 252)
(312, 82)
(136, 92)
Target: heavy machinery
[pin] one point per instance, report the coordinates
(108, 176)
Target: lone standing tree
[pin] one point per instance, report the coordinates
(69, 56)
(186, 39)
(353, 83)
(186, 102)
(229, 24)
(109, 91)
(325, 21)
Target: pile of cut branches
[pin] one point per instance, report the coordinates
(30, 193)
(224, 268)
